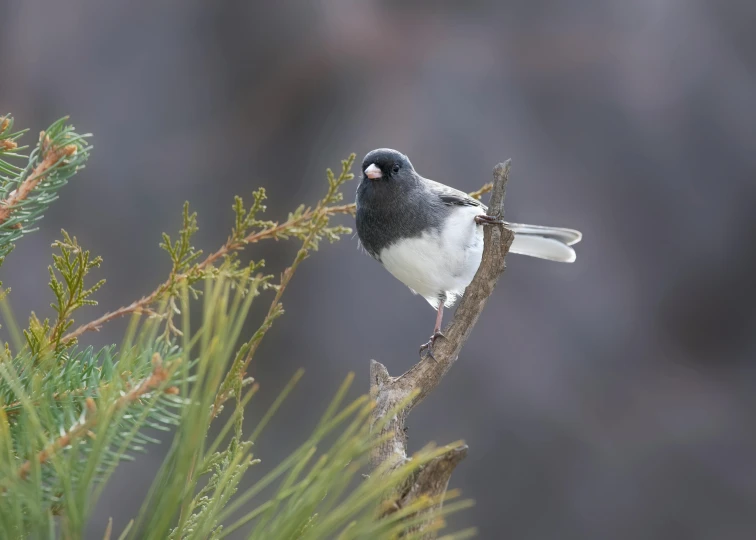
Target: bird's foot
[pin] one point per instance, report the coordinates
(488, 220)
(426, 349)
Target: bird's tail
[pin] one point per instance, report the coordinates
(552, 243)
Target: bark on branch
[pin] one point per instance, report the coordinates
(413, 386)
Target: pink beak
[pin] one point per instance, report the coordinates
(373, 172)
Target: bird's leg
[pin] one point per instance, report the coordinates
(427, 348)
(488, 220)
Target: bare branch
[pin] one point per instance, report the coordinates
(413, 386)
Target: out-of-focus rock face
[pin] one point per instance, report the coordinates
(612, 398)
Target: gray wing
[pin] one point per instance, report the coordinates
(453, 197)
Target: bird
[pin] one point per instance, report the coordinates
(430, 236)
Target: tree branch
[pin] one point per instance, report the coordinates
(158, 376)
(6, 144)
(52, 156)
(412, 387)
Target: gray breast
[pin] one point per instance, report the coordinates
(386, 215)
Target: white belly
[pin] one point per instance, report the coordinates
(436, 263)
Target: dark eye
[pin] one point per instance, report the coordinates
(395, 168)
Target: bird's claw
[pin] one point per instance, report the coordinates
(485, 219)
(426, 349)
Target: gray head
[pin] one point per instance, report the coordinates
(385, 165)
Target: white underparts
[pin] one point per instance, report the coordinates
(439, 262)
(445, 261)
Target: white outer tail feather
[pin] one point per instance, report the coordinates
(552, 243)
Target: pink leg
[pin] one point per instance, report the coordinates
(436, 331)
(439, 318)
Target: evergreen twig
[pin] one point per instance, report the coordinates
(273, 232)
(53, 154)
(7, 142)
(158, 377)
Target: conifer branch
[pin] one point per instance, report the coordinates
(14, 408)
(6, 143)
(52, 156)
(158, 377)
(26, 192)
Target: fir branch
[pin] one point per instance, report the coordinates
(25, 193)
(7, 141)
(15, 407)
(53, 155)
(155, 380)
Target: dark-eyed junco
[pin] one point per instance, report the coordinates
(430, 236)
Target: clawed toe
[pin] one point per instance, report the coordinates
(488, 220)
(426, 349)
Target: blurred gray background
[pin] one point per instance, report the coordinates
(611, 398)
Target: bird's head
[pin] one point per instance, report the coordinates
(386, 165)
